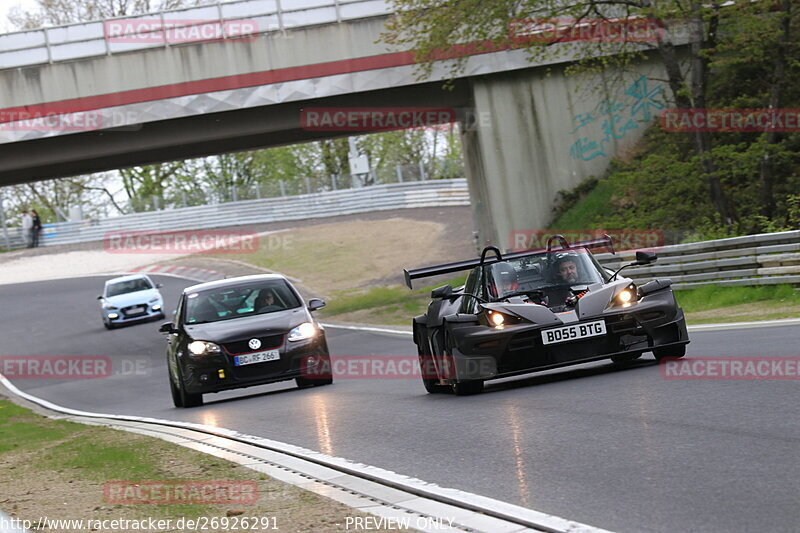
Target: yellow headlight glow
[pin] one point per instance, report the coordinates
(625, 296)
(498, 319)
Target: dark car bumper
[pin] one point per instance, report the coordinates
(486, 353)
(216, 373)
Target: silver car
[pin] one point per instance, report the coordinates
(130, 299)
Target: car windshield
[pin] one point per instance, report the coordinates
(225, 303)
(537, 272)
(127, 286)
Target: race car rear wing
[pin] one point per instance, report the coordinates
(448, 268)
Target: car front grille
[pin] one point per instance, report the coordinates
(267, 343)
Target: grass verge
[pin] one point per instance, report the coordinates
(739, 304)
(393, 305)
(58, 469)
(348, 255)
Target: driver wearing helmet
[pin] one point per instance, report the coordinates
(504, 280)
(566, 267)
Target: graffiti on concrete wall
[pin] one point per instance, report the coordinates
(614, 119)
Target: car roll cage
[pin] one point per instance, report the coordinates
(458, 266)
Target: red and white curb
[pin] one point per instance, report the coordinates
(193, 273)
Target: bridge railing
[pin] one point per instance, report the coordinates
(764, 259)
(92, 39)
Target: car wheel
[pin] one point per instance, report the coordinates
(427, 368)
(675, 352)
(625, 358)
(191, 400)
(177, 399)
(186, 399)
(303, 383)
(467, 388)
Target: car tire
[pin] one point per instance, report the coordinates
(191, 400)
(625, 358)
(177, 399)
(186, 399)
(303, 383)
(672, 352)
(468, 388)
(426, 362)
(108, 326)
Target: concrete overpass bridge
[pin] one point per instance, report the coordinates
(145, 90)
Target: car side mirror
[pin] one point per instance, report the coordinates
(166, 327)
(442, 292)
(159, 285)
(315, 303)
(645, 258)
(100, 297)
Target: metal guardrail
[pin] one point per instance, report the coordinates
(764, 259)
(90, 39)
(433, 193)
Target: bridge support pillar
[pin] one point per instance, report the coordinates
(533, 134)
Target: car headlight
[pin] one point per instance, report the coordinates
(203, 348)
(306, 330)
(499, 320)
(626, 296)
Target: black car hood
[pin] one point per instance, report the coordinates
(234, 329)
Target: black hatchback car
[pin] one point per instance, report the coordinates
(240, 332)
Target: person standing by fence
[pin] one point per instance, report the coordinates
(27, 228)
(36, 229)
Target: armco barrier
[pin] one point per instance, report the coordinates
(765, 259)
(433, 193)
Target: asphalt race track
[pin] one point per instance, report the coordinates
(623, 449)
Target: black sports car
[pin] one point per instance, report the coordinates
(240, 332)
(541, 309)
